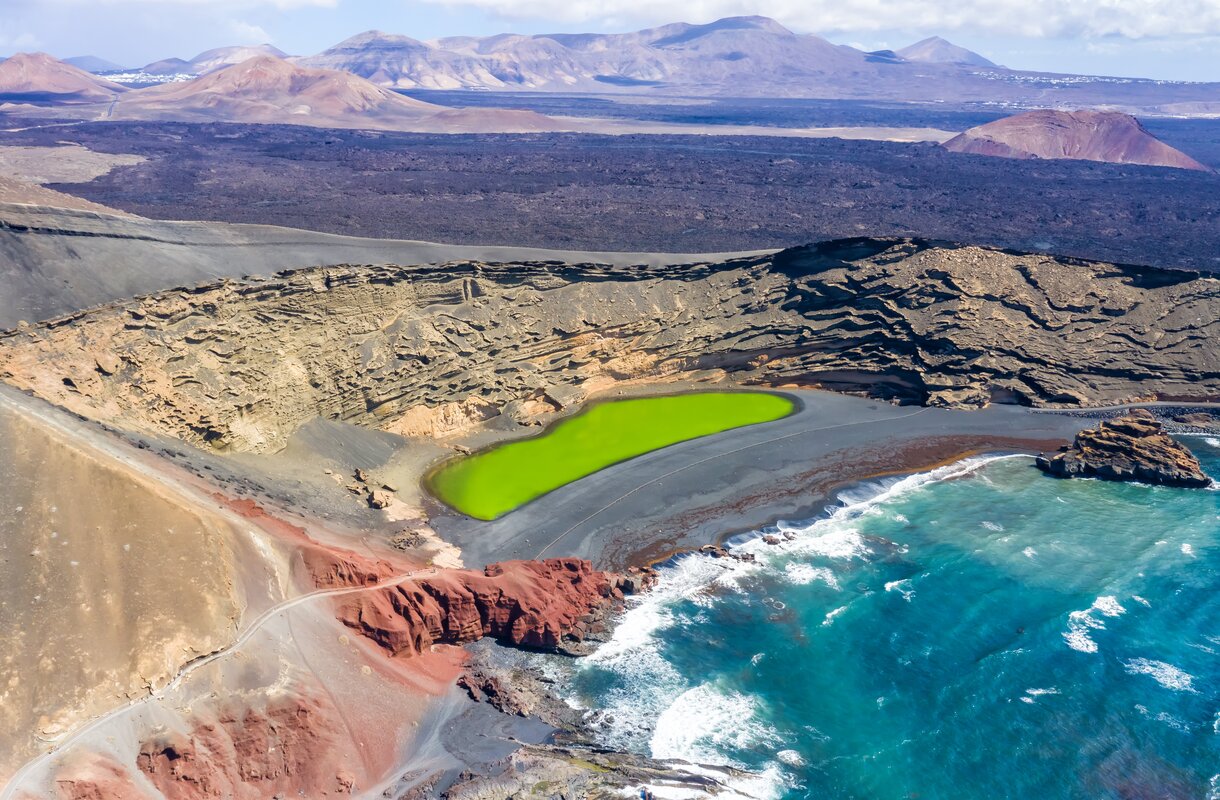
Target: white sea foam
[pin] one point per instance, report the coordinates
(704, 721)
(769, 784)
(830, 617)
(991, 526)
(1081, 622)
(1029, 552)
(1187, 550)
(791, 758)
(803, 574)
(1212, 441)
(1167, 675)
(903, 587)
(1141, 601)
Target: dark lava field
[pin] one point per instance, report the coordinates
(662, 193)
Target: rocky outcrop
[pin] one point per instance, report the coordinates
(240, 365)
(1129, 448)
(287, 748)
(535, 604)
(1085, 135)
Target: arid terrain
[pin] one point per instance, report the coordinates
(251, 301)
(651, 193)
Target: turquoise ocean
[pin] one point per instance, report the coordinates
(979, 631)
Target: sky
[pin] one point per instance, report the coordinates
(1164, 39)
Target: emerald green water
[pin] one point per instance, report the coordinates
(984, 631)
(496, 481)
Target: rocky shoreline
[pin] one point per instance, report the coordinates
(516, 682)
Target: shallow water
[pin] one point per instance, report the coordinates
(983, 631)
(493, 482)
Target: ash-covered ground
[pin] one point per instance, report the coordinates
(659, 193)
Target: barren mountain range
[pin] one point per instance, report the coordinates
(261, 89)
(736, 56)
(270, 90)
(733, 57)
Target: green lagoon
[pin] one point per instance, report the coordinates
(496, 481)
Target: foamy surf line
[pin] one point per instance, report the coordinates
(658, 711)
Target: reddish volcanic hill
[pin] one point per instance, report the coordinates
(266, 89)
(37, 77)
(1085, 135)
(269, 89)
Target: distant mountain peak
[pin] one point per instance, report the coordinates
(936, 50)
(41, 75)
(684, 32)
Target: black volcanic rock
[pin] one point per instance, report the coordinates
(1129, 448)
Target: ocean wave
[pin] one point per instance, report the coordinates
(804, 574)
(830, 617)
(705, 721)
(902, 587)
(1167, 675)
(1081, 622)
(652, 708)
(1031, 695)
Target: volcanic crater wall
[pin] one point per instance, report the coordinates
(240, 365)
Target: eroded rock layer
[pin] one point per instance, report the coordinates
(240, 365)
(1129, 448)
(535, 604)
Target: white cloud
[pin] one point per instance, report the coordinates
(13, 40)
(249, 33)
(1133, 19)
(245, 5)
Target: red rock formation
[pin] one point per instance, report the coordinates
(327, 567)
(287, 748)
(525, 603)
(1085, 135)
(95, 777)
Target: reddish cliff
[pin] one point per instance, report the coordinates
(1085, 135)
(526, 603)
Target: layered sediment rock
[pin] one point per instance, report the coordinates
(240, 365)
(536, 604)
(1129, 448)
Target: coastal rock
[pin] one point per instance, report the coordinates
(1130, 448)
(1199, 419)
(535, 604)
